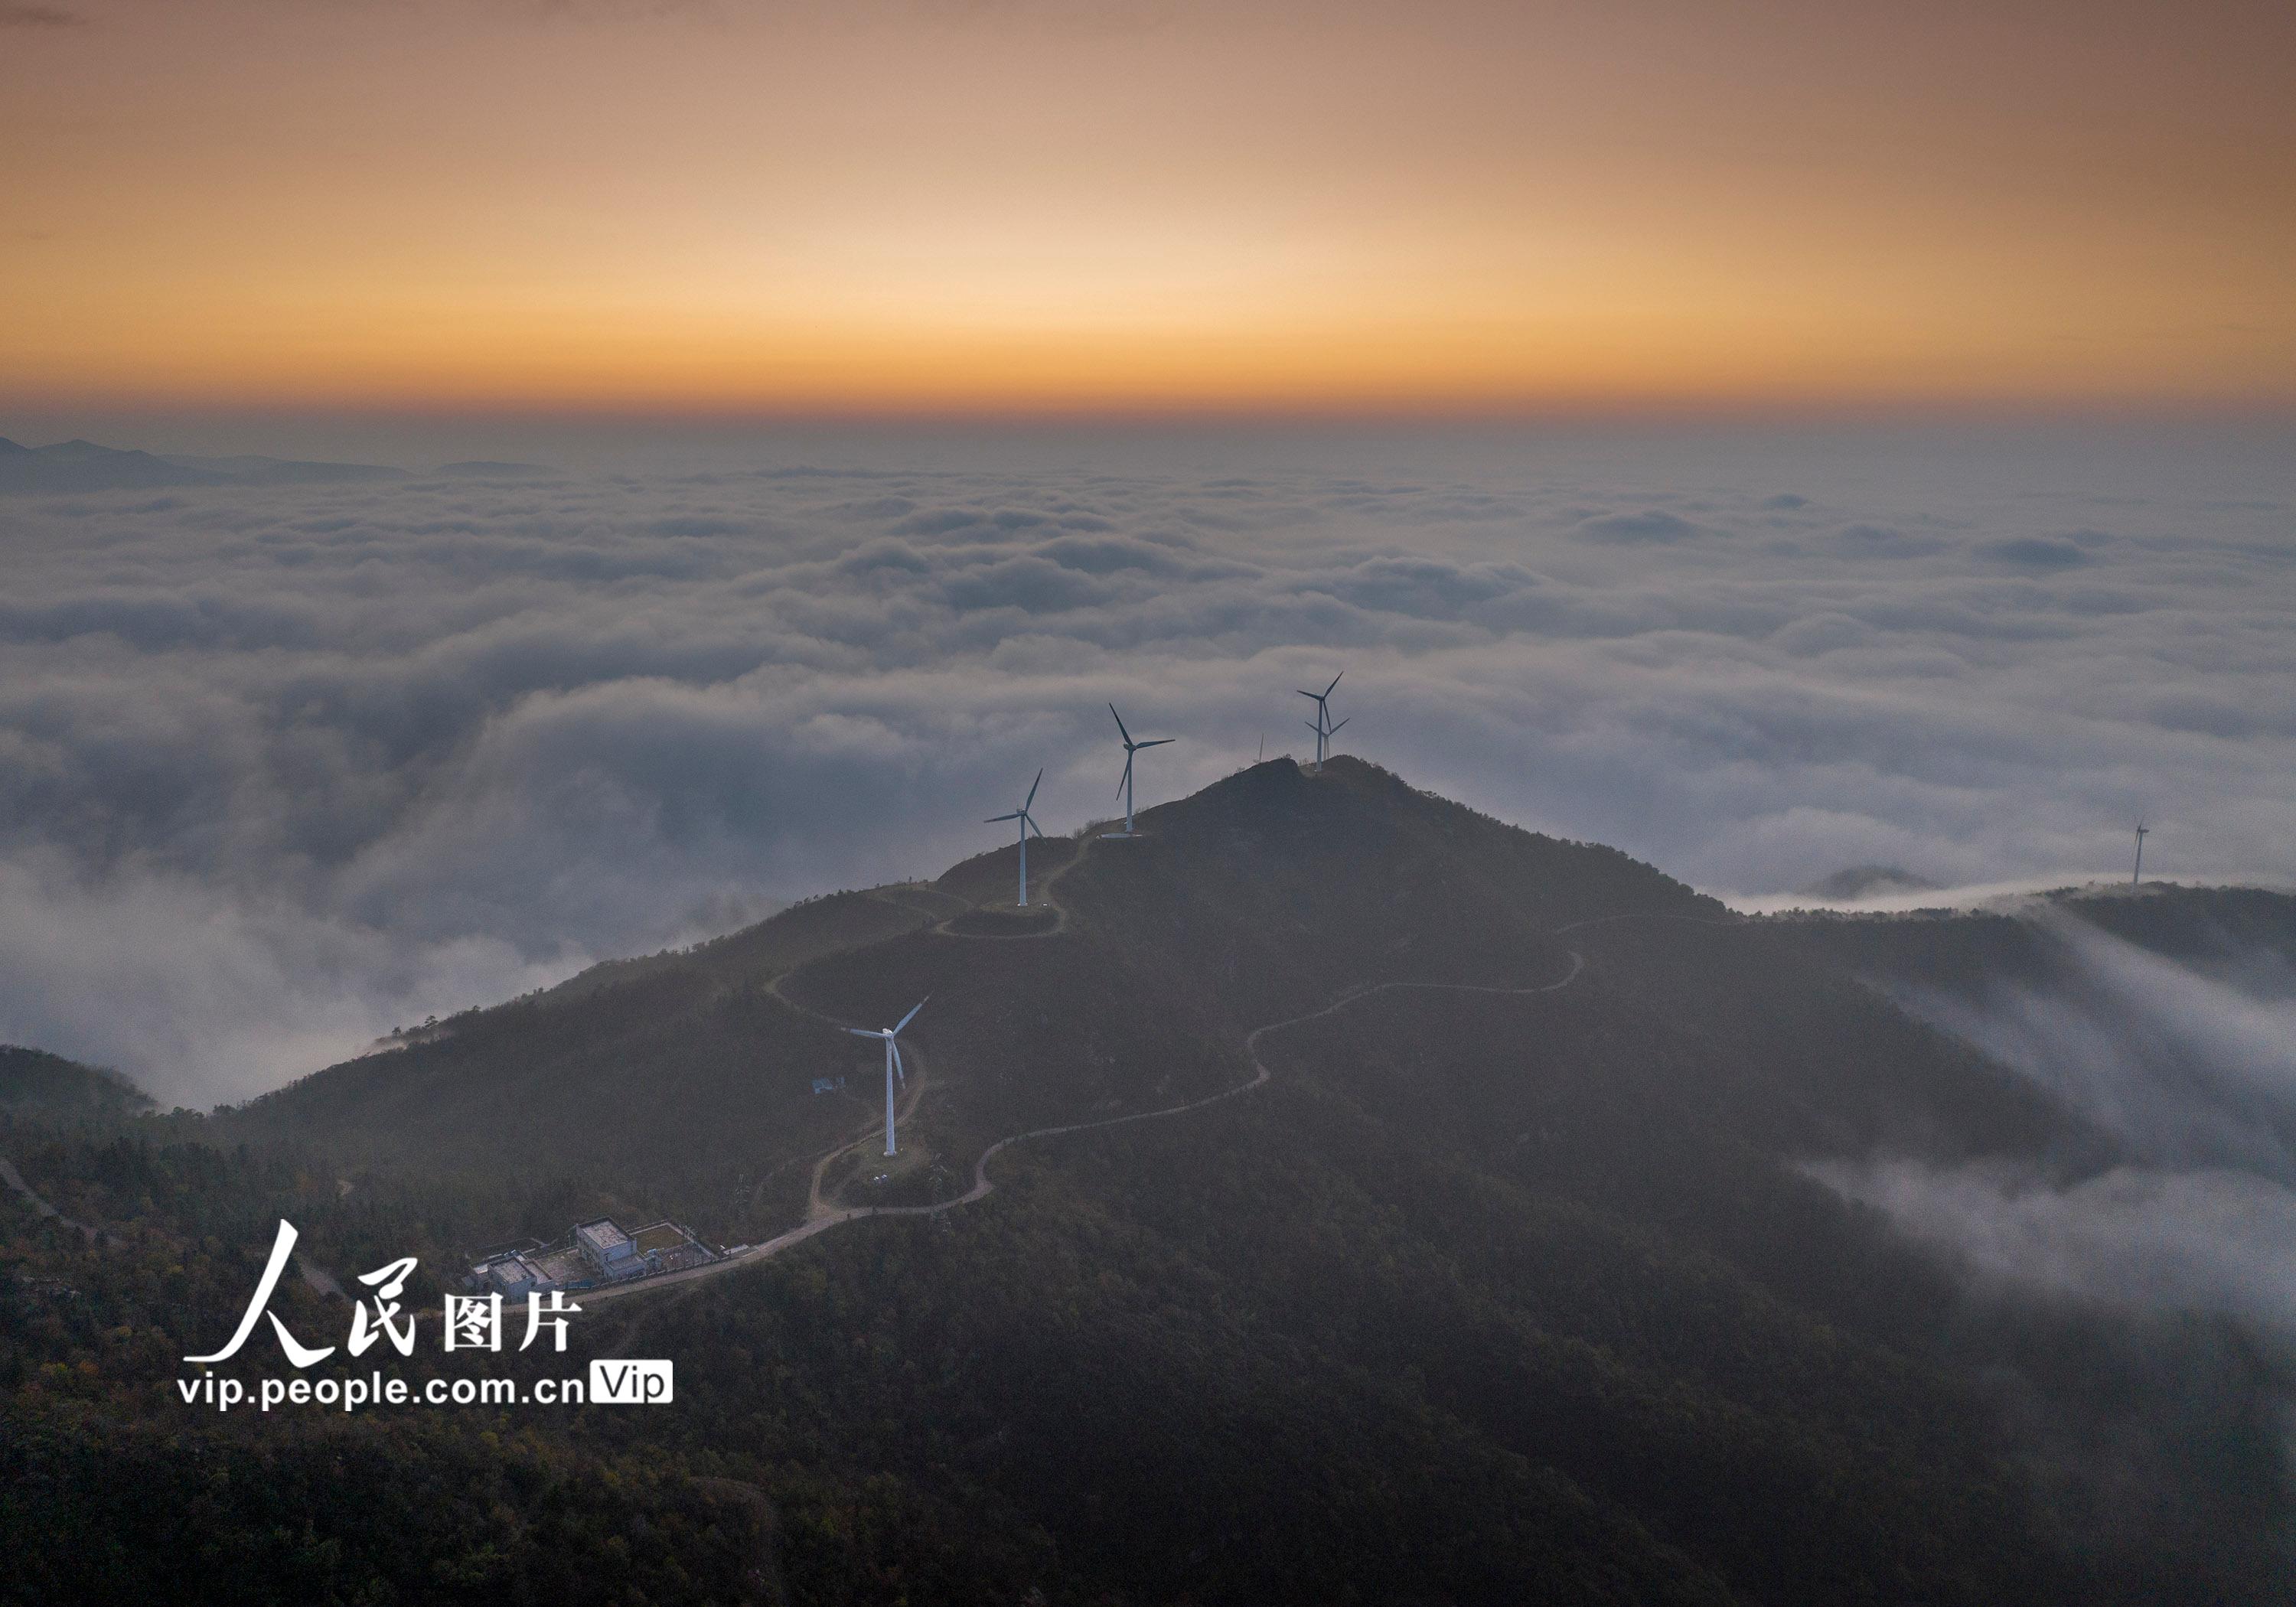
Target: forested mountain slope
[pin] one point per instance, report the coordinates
(1510, 1283)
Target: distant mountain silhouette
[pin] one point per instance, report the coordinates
(85, 452)
(79, 466)
(83, 466)
(76, 465)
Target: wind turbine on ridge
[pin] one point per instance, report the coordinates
(2135, 877)
(1028, 824)
(1321, 724)
(892, 1063)
(1125, 786)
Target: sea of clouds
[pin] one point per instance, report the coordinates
(283, 767)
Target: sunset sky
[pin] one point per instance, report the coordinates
(995, 206)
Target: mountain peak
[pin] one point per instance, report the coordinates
(78, 450)
(1266, 894)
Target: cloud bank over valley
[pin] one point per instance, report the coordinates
(285, 765)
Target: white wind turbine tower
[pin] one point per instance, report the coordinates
(1125, 786)
(892, 1063)
(1321, 724)
(1028, 824)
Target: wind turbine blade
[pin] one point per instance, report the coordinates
(899, 1070)
(993, 819)
(1335, 681)
(1127, 772)
(1033, 826)
(1120, 731)
(1316, 695)
(1159, 743)
(865, 1032)
(1334, 730)
(1032, 791)
(910, 1016)
(1311, 726)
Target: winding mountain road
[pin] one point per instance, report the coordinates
(821, 1216)
(827, 1219)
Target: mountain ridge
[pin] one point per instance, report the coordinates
(1232, 865)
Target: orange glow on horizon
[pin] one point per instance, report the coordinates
(1023, 209)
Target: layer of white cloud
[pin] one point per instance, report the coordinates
(281, 767)
(2139, 1241)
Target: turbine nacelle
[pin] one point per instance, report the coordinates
(887, 1032)
(1027, 820)
(893, 1067)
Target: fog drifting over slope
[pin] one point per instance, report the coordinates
(281, 768)
(2191, 1071)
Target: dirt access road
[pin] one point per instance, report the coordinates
(822, 1216)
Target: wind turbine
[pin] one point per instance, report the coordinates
(892, 1064)
(1125, 786)
(1028, 824)
(1321, 724)
(2136, 875)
